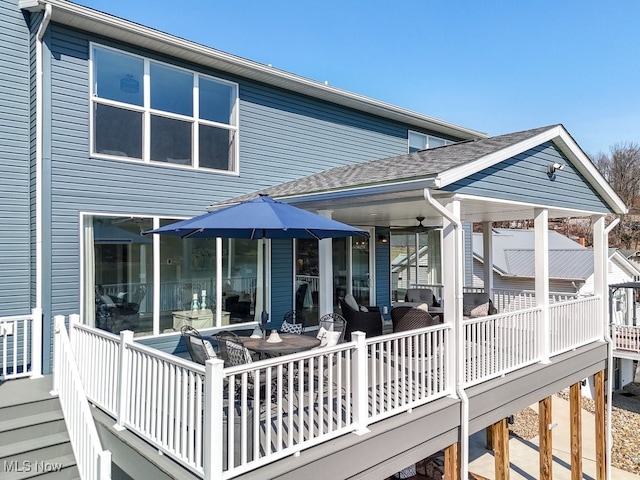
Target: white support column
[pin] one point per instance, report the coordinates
(600, 265)
(541, 224)
(487, 253)
(453, 281)
(325, 284)
(601, 288)
(217, 293)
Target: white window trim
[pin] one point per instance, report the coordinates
(427, 137)
(147, 111)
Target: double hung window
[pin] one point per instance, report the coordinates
(150, 111)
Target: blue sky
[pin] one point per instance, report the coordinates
(494, 66)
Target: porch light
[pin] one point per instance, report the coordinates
(383, 238)
(552, 168)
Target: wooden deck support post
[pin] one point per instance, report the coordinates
(544, 434)
(601, 433)
(452, 462)
(489, 434)
(501, 449)
(575, 409)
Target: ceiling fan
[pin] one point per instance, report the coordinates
(420, 228)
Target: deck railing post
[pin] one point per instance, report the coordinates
(74, 320)
(36, 343)
(58, 323)
(213, 418)
(122, 407)
(359, 381)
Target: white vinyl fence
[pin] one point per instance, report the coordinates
(92, 461)
(21, 345)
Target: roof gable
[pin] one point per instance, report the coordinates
(443, 166)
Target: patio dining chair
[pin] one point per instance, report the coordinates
(199, 348)
(237, 354)
(221, 340)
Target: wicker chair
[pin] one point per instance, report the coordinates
(411, 318)
(421, 295)
(368, 322)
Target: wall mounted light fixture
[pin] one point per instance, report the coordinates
(552, 168)
(383, 238)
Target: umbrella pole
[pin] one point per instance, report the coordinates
(265, 316)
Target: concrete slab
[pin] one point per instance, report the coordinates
(524, 454)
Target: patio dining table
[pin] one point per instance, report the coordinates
(291, 343)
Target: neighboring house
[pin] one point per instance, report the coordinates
(110, 128)
(570, 264)
(571, 274)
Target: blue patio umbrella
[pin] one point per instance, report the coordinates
(262, 217)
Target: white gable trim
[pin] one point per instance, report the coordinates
(564, 142)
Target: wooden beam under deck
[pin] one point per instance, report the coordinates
(501, 449)
(575, 409)
(601, 435)
(544, 435)
(452, 462)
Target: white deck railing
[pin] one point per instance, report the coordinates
(513, 300)
(220, 423)
(575, 323)
(21, 345)
(407, 369)
(498, 344)
(626, 337)
(92, 461)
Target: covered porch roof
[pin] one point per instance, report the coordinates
(499, 178)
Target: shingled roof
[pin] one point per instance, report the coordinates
(411, 166)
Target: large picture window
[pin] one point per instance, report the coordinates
(127, 287)
(149, 111)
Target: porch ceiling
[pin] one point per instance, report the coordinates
(401, 209)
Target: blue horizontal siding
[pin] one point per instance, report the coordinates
(524, 178)
(15, 147)
(283, 136)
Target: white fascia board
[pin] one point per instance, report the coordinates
(87, 19)
(624, 263)
(565, 143)
(360, 191)
(576, 212)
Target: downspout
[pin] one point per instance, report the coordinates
(464, 399)
(39, 151)
(609, 340)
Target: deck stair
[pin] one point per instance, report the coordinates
(34, 442)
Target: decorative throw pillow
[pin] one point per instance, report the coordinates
(209, 348)
(363, 308)
(423, 306)
(349, 300)
(327, 338)
(466, 310)
(480, 311)
(295, 328)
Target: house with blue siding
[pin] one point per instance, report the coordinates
(111, 129)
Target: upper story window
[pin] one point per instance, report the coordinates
(154, 112)
(420, 141)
